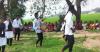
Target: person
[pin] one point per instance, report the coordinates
(68, 31)
(37, 27)
(9, 31)
(2, 36)
(17, 27)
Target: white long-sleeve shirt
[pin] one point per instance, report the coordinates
(17, 23)
(68, 24)
(36, 24)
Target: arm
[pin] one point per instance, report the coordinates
(34, 25)
(63, 25)
(20, 22)
(13, 23)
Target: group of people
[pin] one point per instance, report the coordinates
(92, 26)
(67, 28)
(51, 27)
(9, 29)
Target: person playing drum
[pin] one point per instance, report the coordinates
(2, 36)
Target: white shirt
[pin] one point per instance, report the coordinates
(68, 24)
(17, 23)
(6, 24)
(36, 24)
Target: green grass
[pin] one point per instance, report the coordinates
(91, 17)
(85, 18)
(53, 19)
(50, 44)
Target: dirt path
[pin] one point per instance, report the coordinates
(86, 33)
(89, 43)
(80, 33)
(92, 43)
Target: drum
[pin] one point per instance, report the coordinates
(43, 27)
(3, 41)
(9, 34)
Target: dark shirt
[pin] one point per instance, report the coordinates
(10, 26)
(2, 30)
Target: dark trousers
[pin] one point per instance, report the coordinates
(69, 43)
(17, 33)
(40, 38)
(2, 48)
(9, 41)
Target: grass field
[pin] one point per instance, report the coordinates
(85, 18)
(91, 17)
(50, 44)
(53, 19)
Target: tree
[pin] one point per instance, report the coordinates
(76, 12)
(39, 5)
(2, 9)
(15, 8)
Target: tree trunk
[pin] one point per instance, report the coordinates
(78, 15)
(43, 9)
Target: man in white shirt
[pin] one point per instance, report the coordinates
(68, 32)
(17, 25)
(8, 31)
(37, 27)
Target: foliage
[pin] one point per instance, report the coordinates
(13, 12)
(53, 19)
(86, 18)
(90, 17)
(27, 21)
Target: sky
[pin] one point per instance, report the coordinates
(89, 6)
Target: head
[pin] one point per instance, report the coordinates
(40, 19)
(36, 15)
(17, 17)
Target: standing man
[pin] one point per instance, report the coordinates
(68, 32)
(3, 39)
(37, 27)
(8, 31)
(17, 25)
